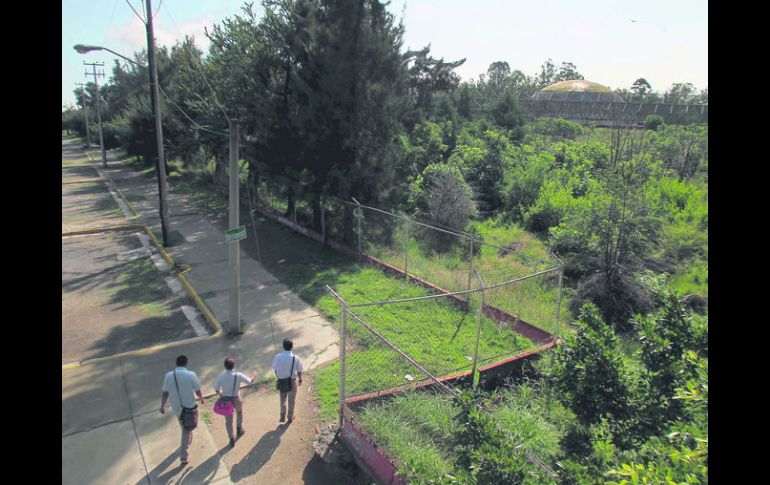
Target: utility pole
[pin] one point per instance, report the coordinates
(234, 246)
(85, 110)
(161, 164)
(98, 106)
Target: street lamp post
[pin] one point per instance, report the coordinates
(98, 109)
(160, 166)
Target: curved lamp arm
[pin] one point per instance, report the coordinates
(82, 49)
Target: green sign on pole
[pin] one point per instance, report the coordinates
(236, 234)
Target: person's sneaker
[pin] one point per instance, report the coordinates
(241, 432)
(232, 442)
(282, 419)
(184, 462)
(292, 418)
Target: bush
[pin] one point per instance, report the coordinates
(557, 128)
(653, 122)
(441, 195)
(618, 297)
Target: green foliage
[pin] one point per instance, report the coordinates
(508, 115)
(441, 195)
(487, 452)
(523, 180)
(557, 129)
(589, 371)
(482, 156)
(653, 122)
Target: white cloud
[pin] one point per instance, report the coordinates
(132, 36)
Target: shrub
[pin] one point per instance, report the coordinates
(557, 128)
(617, 296)
(653, 122)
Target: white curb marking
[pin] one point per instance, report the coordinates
(192, 316)
(175, 285)
(160, 263)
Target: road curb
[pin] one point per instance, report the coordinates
(166, 256)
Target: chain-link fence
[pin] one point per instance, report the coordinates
(431, 344)
(409, 342)
(447, 260)
(442, 259)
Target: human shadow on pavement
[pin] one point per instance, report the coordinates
(259, 455)
(191, 473)
(155, 474)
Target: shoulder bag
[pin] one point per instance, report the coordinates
(285, 385)
(189, 416)
(224, 406)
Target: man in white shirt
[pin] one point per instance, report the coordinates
(181, 385)
(287, 365)
(228, 386)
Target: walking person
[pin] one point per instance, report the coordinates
(228, 386)
(288, 370)
(181, 386)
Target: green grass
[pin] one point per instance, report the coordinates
(416, 428)
(439, 335)
(529, 418)
(693, 279)
(533, 300)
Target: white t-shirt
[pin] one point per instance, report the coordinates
(225, 382)
(282, 364)
(188, 383)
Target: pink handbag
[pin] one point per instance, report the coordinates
(225, 407)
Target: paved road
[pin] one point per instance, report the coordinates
(112, 431)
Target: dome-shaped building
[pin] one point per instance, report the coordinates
(578, 90)
(586, 101)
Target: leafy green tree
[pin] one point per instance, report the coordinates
(680, 93)
(441, 195)
(558, 129)
(589, 370)
(547, 74)
(567, 72)
(482, 155)
(427, 77)
(653, 122)
(507, 113)
(641, 87)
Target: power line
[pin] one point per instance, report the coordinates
(144, 20)
(213, 91)
(187, 116)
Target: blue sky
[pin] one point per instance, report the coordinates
(667, 43)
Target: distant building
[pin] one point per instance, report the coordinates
(589, 102)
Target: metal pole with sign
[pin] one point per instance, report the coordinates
(234, 244)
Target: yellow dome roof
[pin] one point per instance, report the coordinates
(578, 85)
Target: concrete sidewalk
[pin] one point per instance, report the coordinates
(112, 431)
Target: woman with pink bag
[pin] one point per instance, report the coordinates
(228, 386)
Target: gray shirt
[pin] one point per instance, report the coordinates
(188, 383)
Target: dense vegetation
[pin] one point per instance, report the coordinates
(331, 105)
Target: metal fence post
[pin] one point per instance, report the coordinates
(470, 264)
(406, 248)
(343, 318)
(479, 317)
(558, 302)
(360, 235)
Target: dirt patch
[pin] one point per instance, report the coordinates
(271, 452)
